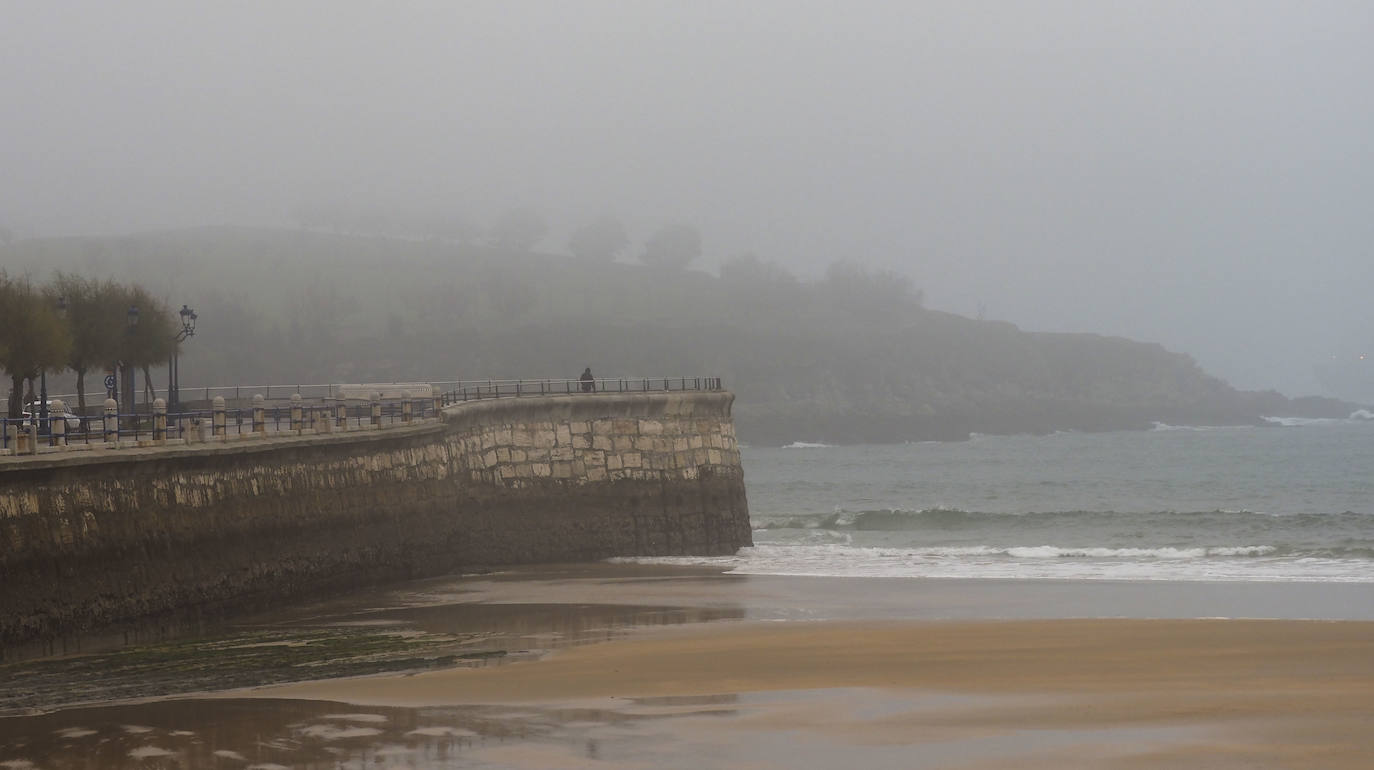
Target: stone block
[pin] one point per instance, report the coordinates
(627, 427)
(713, 456)
(614, 462)
(563, 436)
(562, 470)
(580, 441)
(650, 427)
(545, 439)
(632, 460)
(543, 470)
(603, 427)
(603, 443)
(503, 455)
(579, 426)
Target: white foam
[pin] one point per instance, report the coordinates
(146, 752)
(227, 754)
(1215, 563)
(807, 445)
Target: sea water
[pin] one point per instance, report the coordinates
(1293, 501)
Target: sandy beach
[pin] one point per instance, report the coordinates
(632, 666)
(1079, 693)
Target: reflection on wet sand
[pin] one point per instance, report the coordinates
(348, 640)
(265, 734)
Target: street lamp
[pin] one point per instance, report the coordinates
(43, 376)
(188, 329)
(132, 319)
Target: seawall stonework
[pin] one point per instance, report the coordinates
(99, 539)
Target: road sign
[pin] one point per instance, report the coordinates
(109, 382)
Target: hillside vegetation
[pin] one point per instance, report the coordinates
(851, 357)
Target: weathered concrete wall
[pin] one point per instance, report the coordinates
(98, 539)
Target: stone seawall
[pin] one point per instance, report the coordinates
(97, 540)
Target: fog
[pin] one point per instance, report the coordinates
(1196, 174)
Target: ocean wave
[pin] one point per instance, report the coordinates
(898, 520)
(807, 445)
(1163, 426)
(1246, 563)
(1055, 552)
(1357, 416)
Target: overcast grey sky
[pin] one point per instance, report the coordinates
(1194, 173)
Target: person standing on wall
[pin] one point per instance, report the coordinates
(587, 380)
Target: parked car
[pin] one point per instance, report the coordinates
(34, 408)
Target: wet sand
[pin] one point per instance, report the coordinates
(1217, 693)
(630, 667)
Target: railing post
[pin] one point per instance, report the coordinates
(159, 419)
(219, 425)
(259, 414)
(111, 420)
(297, 418)
(407, 411)
(57, 422)
(28, 438)
(376, 404)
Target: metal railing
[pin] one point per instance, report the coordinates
(277, 418)
(326, 405)
(471, 390)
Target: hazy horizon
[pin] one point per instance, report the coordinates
(1190, 174)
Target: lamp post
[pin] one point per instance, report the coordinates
(43, 375)
(188, 329)
(128, 372)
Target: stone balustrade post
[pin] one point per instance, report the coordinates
(297, 413)
(28, 438)
(438, 395)
(57, 422)
(259, 414)
(341, 415)
(376, 409)
(219, 425)
(111, 420)
(159, 420)
(406, 409)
